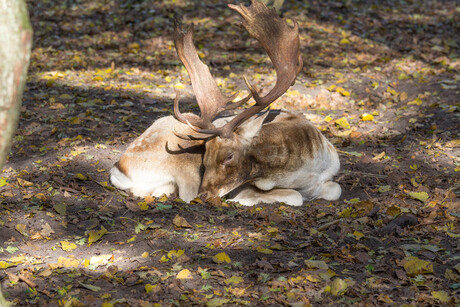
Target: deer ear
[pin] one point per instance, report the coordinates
(251, 127)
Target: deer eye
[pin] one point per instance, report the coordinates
(228, 159)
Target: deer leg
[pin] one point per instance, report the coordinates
(330, 190)
(250, 196)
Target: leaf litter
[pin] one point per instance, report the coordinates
(381, 83)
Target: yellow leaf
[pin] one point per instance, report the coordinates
(68, 262)
(332, 87)
(41, 196)
(221, 258)
(80, 176)
(179, 221)
(365, 117)
(143, 205)
(342, 122)
(107, 304)
(96, 235)
(67, 246)
(184, 274)
(327, 119)
(98, 78)
(22, 229)
(358, 235)
(149, 287)
(441, 296)
(316, 264)
(145, 255)
(106, 185)
(393, 211)
(327, 275)
(264, 250)
(5, 265)
(422, 196)
(57, 106)
(131, 239)
(338, 286)
(24, 183)
(101, 260)
(416, 101)
(163, 198)
(415, 266)
(379, 156)
(392, 91)
(345, 41)
(313, 278)
(176, 254)
(234, 280)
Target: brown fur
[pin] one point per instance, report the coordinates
(281, 146)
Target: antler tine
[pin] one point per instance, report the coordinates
(208, 96)
(281, 42)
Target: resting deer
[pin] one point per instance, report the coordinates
(273, 157)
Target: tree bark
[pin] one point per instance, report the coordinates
(15, 45)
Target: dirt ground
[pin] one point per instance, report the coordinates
(380, 79)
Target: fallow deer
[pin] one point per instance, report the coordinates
(282, 154)
(274, 157)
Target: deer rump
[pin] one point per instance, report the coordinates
(286, 159)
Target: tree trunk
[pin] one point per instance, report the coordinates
(15, 45)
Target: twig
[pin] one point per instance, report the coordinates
(27, 281)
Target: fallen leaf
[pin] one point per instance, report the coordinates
(216, 302)
(94, 235)
(149, 287)
(179, 221)
(264, 250)
(234, 280)
(60, 208)
(24, 183)
(68, 262)
(367, 117)
(441, 296)
(338, 286)
(67, 246)
(90, 287)
(316, 264)
(184, 274)
(415, 266)
(221, 258)
(5, 265)
(343, 123)
(46, 230)
(422, 196)
(22, 229)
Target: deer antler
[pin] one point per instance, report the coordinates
(280, 41)
(209, 98)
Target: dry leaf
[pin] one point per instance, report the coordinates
(179, 221)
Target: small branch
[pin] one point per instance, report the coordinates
(27, 281)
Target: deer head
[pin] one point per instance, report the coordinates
(226, 158)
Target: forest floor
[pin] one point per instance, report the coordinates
(381, 81)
